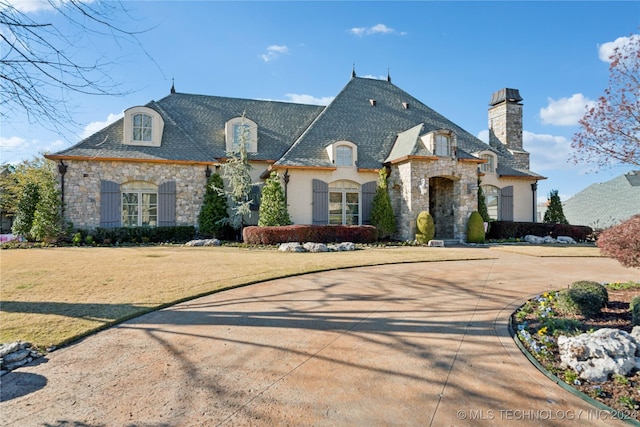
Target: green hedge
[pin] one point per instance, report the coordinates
(509, 229)
(254, 235)
(119, 235)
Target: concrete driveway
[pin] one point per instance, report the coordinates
(398, 345)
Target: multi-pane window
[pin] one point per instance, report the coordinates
(344, 203)
(241, 132)
(490, 165)
(139, 204)
(142, 127)
(344, 155)
(442, 145)
(492, 200)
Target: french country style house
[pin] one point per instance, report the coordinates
(151, 167)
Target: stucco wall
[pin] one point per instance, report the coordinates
(523, 200)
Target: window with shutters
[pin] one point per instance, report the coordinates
(344, 203)
(139, 204)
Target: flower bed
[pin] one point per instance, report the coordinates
(539, 322)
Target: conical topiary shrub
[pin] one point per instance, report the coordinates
(426, 228)
(475, 228)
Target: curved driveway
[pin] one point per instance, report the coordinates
(408, 345)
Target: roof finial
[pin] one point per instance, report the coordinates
(353, 71)
(388, 75)
(173, 87)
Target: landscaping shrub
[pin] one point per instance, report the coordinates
(176, 234)
(426, 227)
(622, 242)
(475, 228)
(508, 229)
(635, 310)
(213, 213)
(254, 235)
(584, 297)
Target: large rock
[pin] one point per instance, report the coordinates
(291, 247)
(344, 246)
(566, 239)
(533, 239)
(203, 242)
(598, 355)
(315, 247)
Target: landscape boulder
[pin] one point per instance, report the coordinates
(600, 354)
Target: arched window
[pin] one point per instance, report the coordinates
(139, 204)
(241, 129)
(142, 127)
(344, 203)
(492, 200)
(442, 146)
(490, 166)
(344, 155)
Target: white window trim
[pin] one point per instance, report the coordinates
(429, 140)
(252, 146)
(139, 188)
(484, 165)
(157, 127)
(357, 188)
(332, 153)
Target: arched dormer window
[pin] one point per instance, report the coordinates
(343, 153)
(143, 126)
(490, 165)
(442, 143)
(241, 129)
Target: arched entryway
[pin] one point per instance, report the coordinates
(442, 206)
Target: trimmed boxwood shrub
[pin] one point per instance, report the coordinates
(475, 228)
(584, 297)
(426, 227)
(253, 235)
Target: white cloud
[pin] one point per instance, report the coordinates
(483, 135)
(15, 149)
(94, 127)
(605, 50)
(565, 111)
(273, 52)
(548, 152)
(27, 6)
(376, 29)
(12, 142)
(308, 99)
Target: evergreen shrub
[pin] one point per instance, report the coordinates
(585, 298)
(635, 310)
(426, 228)
(475, 228)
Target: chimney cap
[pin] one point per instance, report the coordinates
(506, 94)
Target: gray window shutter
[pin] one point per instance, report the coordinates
(167, 204)
(368, 193)
(320, 202)
(109, 204)
(506, 203)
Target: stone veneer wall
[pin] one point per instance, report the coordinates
(505, 125)
(408, 201)
(82, 187)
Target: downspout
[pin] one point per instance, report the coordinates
(534, 187)
(62, 169)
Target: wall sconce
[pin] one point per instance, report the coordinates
(207, 172)
(423, 186)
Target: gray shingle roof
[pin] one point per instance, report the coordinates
(194, 129)
(605, 204)
(352, 117)
(294, 134)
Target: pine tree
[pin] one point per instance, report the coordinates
(482, 204)
(273, 208)
(213, 214)
(382, 215)
(554, 213)
(237, 172)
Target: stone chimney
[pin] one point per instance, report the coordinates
(505, 124)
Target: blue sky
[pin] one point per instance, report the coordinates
(449, 55)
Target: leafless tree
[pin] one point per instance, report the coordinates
(40, 67)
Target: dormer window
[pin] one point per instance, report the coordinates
(442, 143)
(143, 126)
(343, 153)
(490, 166)
(239, 130)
